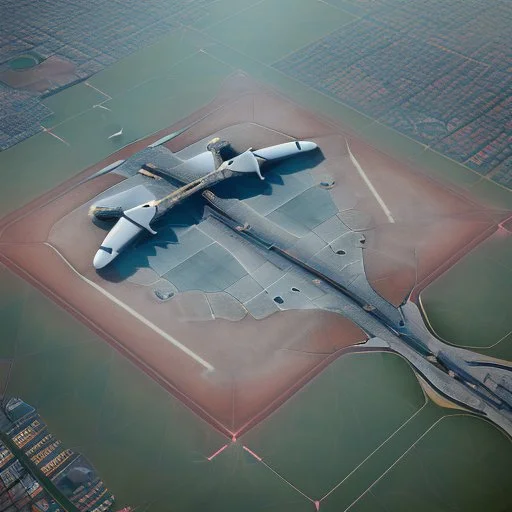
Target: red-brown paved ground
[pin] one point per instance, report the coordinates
(434, 226)
(258, 364)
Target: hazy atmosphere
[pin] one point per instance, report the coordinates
(255, 255)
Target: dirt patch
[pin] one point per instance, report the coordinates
(436, 397)
(52, 72)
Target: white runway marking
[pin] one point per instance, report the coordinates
(98, 90)
(99, 105)
(379, 199)
(56, 136)
(137, 315)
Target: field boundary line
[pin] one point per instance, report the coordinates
(451, 343)
(435, 424)
(378, 448)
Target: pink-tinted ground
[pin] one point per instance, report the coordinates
(49, 73)
(257, 364)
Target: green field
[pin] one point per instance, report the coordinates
(469, 305)
(430, 477)
(338, 420)
(256, 30)
(332, 440)
(23, 62)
